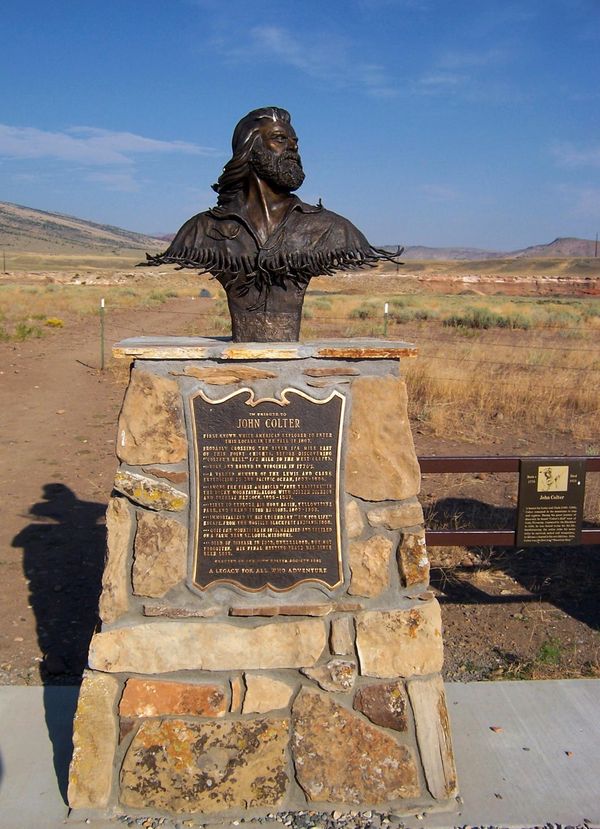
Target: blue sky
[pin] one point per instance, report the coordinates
(425, 122)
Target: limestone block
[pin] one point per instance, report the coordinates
(225, 375)
(151, 426)
(337, 676)
(339, 757)
(94, 742)
(263, 693)
(355, 523)
(158, 647)
(238, 689)
(381, 464)
(412, 559)
(171, 475)
(115, 580)
(160, 554)
(400, 642)
(284, 610)
(341, 639)
(385, 704)
(296, 609)
(186, 767)
(148, 493)
(326, 382)
(173, 612)
(428, 701)
(151, 698)
(332, 371)
(370, 566)
(397, 517)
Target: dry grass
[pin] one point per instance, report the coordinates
(71, 260)
(537, 365)
(37, 304)
(460, 387)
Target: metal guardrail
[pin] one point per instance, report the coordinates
(479, 463)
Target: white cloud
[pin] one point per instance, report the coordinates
(471, 58)
(439, 193)
(120, 182)
(568, 154)
(583, 202)
(86, 145)
(327, 58)
(474, 75)
(436, 83)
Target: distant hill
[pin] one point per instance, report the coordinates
(563, 246)
(567, 246)
(445, 254)
(26, 229)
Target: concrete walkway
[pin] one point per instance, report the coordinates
(541, 764)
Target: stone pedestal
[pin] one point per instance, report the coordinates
(268, 639)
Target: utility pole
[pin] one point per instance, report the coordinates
(596, 247)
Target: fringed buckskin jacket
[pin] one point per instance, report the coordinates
(309, 241)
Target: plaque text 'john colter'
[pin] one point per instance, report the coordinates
(268, 481)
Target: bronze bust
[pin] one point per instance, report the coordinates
(261, 242)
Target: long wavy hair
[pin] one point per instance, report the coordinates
(237, 170)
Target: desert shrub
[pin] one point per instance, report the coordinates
(23, 331)
(559, 319)
(425, 314)
(54, 322)
(363, 312)
(590, 311)
(307, 313)
(513, 321)
(403, 315)
(483, 318)
(157, 296)
(322, 302)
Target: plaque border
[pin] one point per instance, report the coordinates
(253, 401)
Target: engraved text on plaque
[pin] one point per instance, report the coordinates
(267, 475)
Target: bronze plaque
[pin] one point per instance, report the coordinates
(550, 506)
(267, 484)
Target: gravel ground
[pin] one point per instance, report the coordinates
(324, 820)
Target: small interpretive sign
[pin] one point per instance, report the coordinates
(267, 483)
(550, 507)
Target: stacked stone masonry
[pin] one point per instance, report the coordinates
(225, 701)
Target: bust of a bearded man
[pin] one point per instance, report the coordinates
(261, 242)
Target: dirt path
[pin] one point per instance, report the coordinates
(536, 613)
(57, 435)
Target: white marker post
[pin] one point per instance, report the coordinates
(386, 308)
(102, 334)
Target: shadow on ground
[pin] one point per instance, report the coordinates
(63, 559)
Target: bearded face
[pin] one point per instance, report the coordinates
(282, 171)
